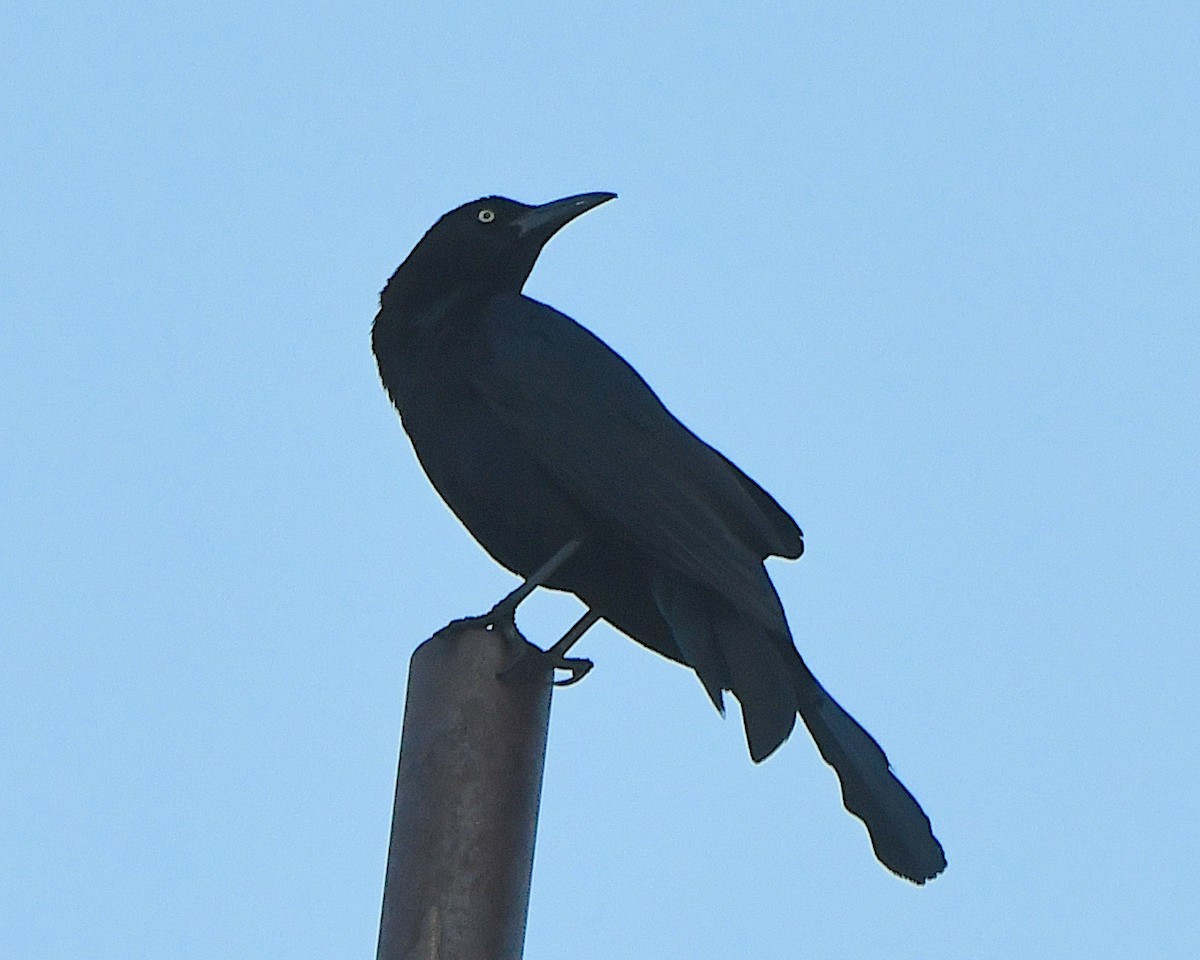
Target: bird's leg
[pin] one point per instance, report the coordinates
(578, 667)
(504, 613)
(533, 665)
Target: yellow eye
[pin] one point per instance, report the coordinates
(487, 216)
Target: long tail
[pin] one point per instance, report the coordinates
(900, 831)
(772, 683)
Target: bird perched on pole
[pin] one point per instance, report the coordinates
(547, 444)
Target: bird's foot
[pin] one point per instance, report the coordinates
(503, 616)
(501, 619)
(536, 665)
(577, 667)
(556, 656)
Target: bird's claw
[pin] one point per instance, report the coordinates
(577, 667)
(499, 620)
(505, 626)
(535, 666)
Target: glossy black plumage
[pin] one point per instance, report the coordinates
(536, 433)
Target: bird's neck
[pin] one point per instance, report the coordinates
(424, 332)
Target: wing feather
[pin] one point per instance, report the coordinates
(599, 431)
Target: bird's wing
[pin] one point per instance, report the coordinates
(600, 433)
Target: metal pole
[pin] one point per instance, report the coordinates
(467, 791)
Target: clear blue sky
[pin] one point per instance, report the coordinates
(930, 275)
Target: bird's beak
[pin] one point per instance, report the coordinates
(547, 219)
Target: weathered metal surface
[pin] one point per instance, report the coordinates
(467, 792)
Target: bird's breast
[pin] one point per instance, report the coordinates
(492, 484)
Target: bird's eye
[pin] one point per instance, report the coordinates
(487, 216)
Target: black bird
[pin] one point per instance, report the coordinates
(538, 435)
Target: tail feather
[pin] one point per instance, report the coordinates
(691, 628)
(759, 680)
(901, 833)
(772, 683)
(730, 653)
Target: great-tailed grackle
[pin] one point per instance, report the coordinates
(537, 434)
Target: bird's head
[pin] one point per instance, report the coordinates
(490, 244)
